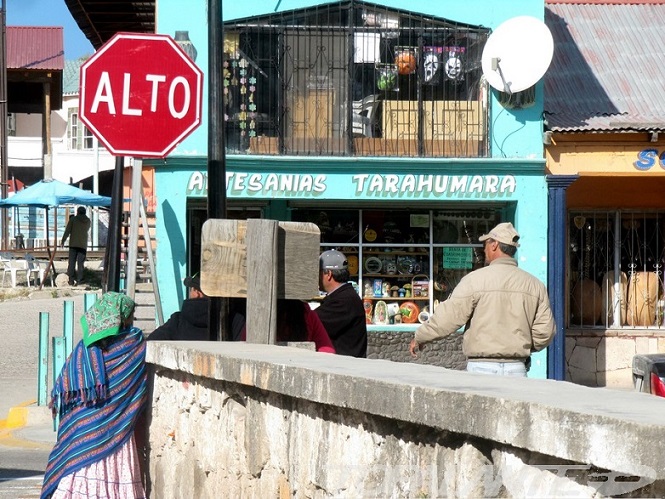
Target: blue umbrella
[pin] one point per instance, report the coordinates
(49, 193)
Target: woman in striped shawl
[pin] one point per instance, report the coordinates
(99, 396)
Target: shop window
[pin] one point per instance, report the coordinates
(404, 262)
(616, 269)
(354, 79)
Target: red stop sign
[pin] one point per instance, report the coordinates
(140, 95)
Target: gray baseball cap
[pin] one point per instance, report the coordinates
(333, 260)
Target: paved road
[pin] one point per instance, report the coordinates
(24, 451)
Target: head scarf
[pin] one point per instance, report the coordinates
(106, 317)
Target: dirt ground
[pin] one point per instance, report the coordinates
(92, 281)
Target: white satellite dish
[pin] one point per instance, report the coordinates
(517, 54)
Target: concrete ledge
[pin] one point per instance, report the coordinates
(614, 430)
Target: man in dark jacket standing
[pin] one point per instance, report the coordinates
(191, 323)
(77, 231)
(341, 311)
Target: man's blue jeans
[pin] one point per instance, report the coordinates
(497, 368)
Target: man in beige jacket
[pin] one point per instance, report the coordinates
(77, 230)
(506, 310)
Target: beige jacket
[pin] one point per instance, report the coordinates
(507, 309)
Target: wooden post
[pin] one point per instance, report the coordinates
(262, 257)
(278, 260)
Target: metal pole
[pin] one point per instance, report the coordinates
(68, 325)
(4, 167)
(133, 244)
(216, 150)
(115, 229)
(42, 367)
(95, 189)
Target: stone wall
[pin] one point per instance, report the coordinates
(593, 358)
(605, 358)
(270, 421)
(394, 345)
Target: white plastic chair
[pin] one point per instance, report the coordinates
(11, 266)
(34, 269)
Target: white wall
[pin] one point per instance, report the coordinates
(25, 149)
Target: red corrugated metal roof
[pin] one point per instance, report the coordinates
(607, 2)
(35, 47)
(607, 73)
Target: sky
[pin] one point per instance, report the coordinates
(50, 13)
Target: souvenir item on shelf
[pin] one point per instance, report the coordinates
(394, 291)
(393, 309)
(386, 77)
(381, 312)
(405, 265)
(423, 316)
(409, 311)
(386, 289)
(431, 65)
(611, 298)
(345, 232)
(352, 264)
(373, 265)
(367, 288)
(401, 292)
(454, 65)
(391, 268)
(370, 235)
(420, 286)
(378, 288)
(391, 232)
(407, 290)
(405, 60)
(367, 305)
(642, 298)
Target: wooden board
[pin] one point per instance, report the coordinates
(224, 259)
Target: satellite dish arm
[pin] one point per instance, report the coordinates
(496, 66)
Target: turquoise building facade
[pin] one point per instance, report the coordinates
(425, 192)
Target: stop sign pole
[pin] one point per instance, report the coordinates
(140, 95)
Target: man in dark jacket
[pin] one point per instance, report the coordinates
(341, 311)
(77, 231)
(191, 323)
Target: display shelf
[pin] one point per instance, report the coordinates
(397, 277)
(395, 252)
(396, 298)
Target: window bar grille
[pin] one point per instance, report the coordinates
(441, 118)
